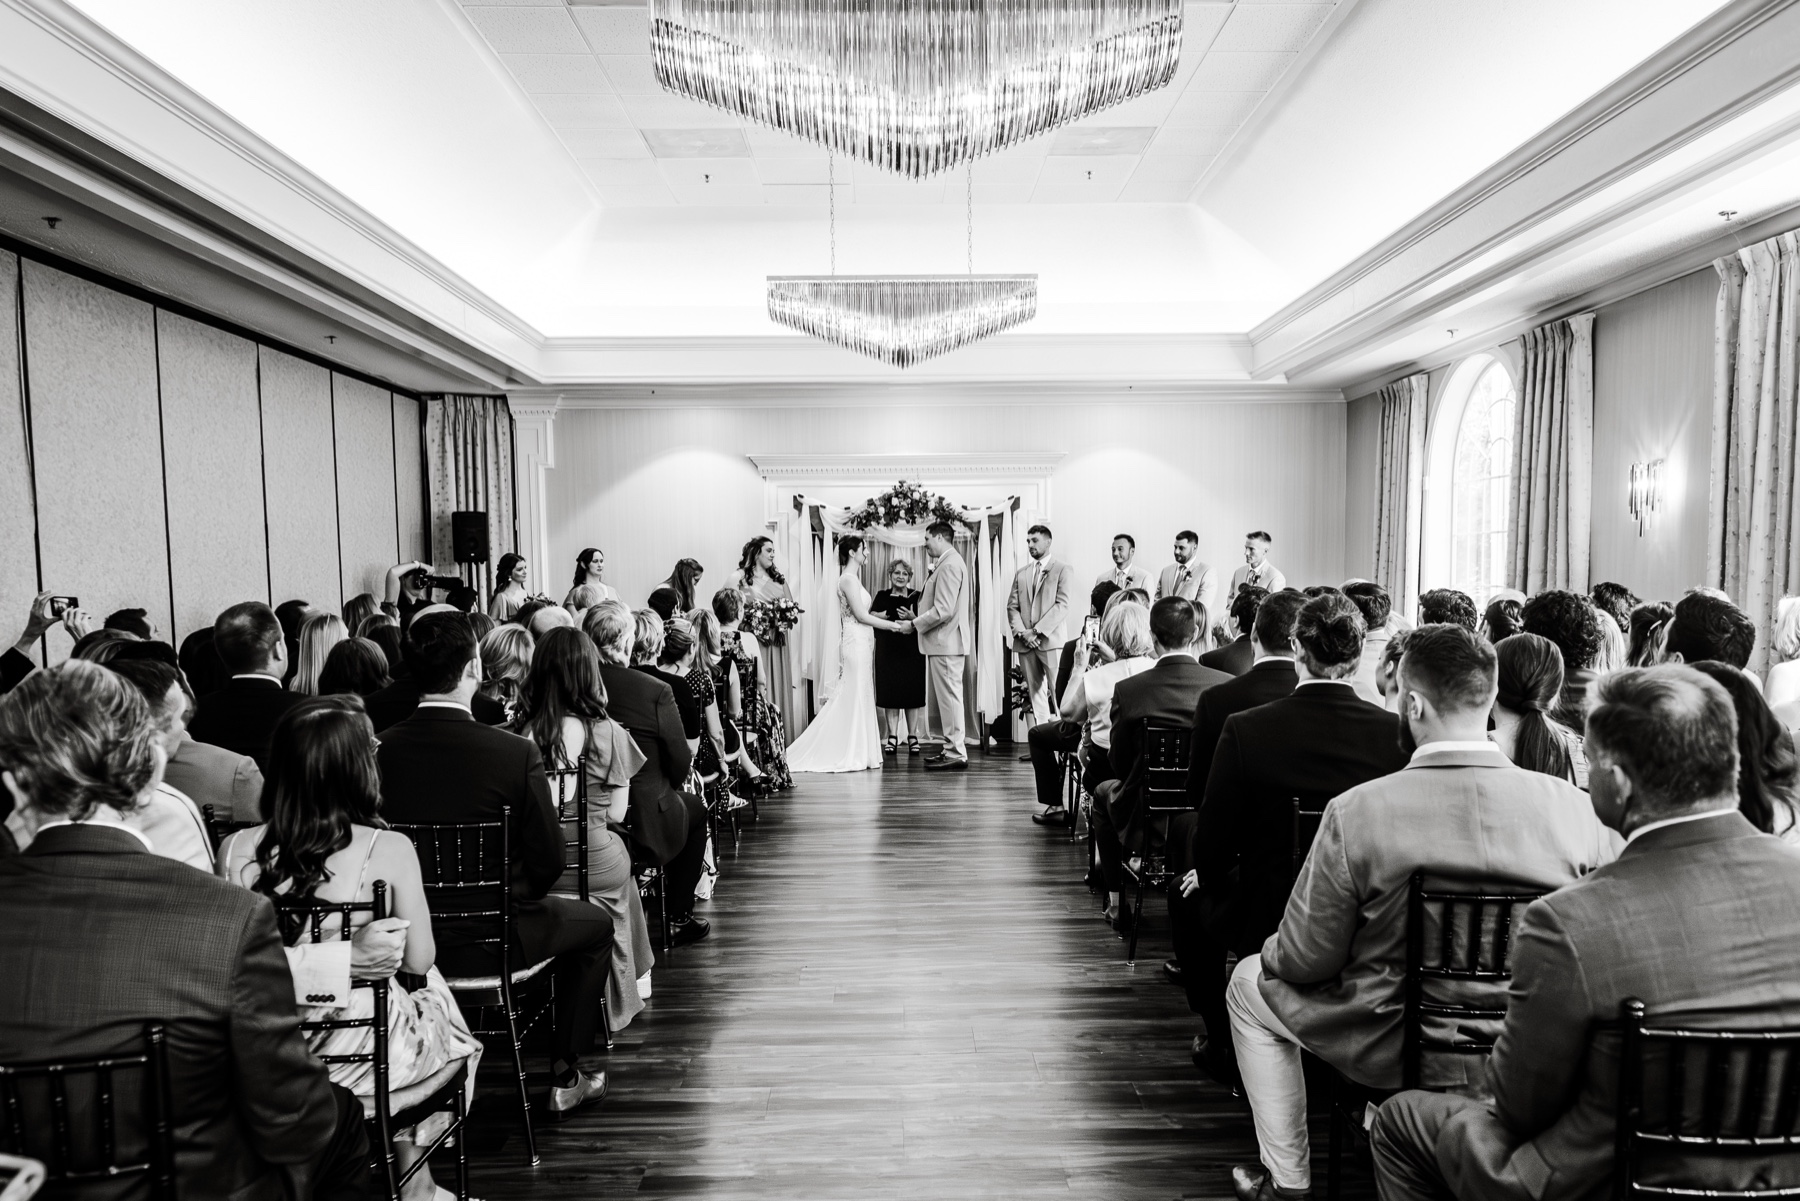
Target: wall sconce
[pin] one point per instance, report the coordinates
(1646, 493)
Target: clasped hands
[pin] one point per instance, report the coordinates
(377, 949)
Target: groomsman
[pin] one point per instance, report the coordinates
(942, 626)
(1124, 573)
(1189, 578)
(1034, 613)
(1257, 569)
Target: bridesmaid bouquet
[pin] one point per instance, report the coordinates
(769, 621)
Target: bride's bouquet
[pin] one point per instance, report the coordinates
(769, 621)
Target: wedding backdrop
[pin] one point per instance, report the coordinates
(990, 542)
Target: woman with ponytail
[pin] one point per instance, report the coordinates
(1531, 678)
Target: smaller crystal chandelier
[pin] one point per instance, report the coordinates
(902, 319)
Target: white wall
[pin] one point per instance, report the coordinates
(650, 486)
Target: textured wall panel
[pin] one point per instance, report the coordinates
(18, 540)
(299, 467)
(91, 355)
(212, 446)
(1362, 441)
(365, 475)
(409, 479)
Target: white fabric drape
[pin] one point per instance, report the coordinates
(469, 467)
(1753, 509)
(1553, 459)
(1400, 495)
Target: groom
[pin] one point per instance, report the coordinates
(943, 628)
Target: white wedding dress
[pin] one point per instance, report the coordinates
(846, 735)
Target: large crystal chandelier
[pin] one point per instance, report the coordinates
(914, 86)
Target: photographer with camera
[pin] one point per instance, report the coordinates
(409, 588)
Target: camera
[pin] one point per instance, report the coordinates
(60, 605)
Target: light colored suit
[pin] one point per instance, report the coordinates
(943, 630)
(1132, 576)
(212, 775)
(1267, 575)
(1040, 603)
(1194, 581)
(1333, 972)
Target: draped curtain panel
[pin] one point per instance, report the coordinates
(1753, 509)
(469, 467)
(1553, 459)
(1400, 490)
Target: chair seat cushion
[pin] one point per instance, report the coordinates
(401, 1100)
(475, 983)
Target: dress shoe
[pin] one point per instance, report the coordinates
(1051, 817)
(1025, 758)
(1218, 1063)
(945, 763)
(1253, 1183)
(1172, 971)
(589, 1086)
(689, 930)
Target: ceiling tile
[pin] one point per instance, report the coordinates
(1148, 109)
(1087, 170)
(1101, 139)
(605, 143)
(1094, 193)
(576, 111)
(635, 197)
(721, 197)
(719, 173)
(1222, 71)
(792, 170)
(1151, 191)
(1200, 24)
(632, 74)
(1002, 193)
(675, 112)
(773, 143)
(1197, 139)
(697, 143)
(624, 172)
(527, 30)
(615, 30)
(558, 73)
(931, 191)
(1007, 169)
(810, 195)
(1286, 27)
(1164, 168)
(1214, 108)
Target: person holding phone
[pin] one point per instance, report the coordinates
(899, 667)
(47, 610)
(1062, 733)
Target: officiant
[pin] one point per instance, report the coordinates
(899, 667)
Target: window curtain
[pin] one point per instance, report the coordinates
(1400, 494)
(1754, 507)
(1553, 459)
(469, 467)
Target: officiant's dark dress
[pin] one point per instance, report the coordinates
(899, 667)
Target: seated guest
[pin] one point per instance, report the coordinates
(465, 599)
(355, 667)
(1706, 626)
(581, 598)
(1123, 649)
(1783, 681)
(1768, 774)
(318, 634)
(1530, 676)
(242, 715)
(1329, 980)
(1062, 735)
(722, 733)
(562, 708)
(505, 660)
(1614, 648)
(1373, 602)
(291, 614)
(384, 632)
(1164, 695)
(1314, 744)
(99, 646)
(1698, 918)
(441, 765)
(665, 825)
(668, 652)
(1503, 619)
(547, 618)
(1616, 601)
(396, 702)
(324, 840)
(170, 819)
(1387, 675)
(207, 775)
(1236, 656)
(665, 602)
(359, 609)
(1644, 637)
(17, 662)
(1447, 605)
(200, 663)
(255, 1116)
(135, 622)
(1570, 620)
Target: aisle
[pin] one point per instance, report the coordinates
(906, 994)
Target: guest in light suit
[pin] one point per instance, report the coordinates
(1187, 577)
(1035, 613)
(1125, 574)
(1257, 569)
(943, 629)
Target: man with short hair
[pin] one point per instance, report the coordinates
(1236, 657)
(550, 617)
(132, 621)
(1059, 735)
(169, 817)
(1442, 606)
(1257, 569)
(1035, 612)
(1697, 918)
(1187, 577)
(388, 707)
(241, 716)
(441, 766)
(1571, 621)
(942, 627)
(1125, 574)
(1372, 600)
(1709, 627)
(1329, 980)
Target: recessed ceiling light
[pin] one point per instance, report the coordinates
(697, 143)
(1102, 139)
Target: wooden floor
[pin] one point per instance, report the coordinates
(908, 994)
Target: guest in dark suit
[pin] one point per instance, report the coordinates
(1046, 740)
(395, 703)
(442, 766)
(255, 1115)
(664, 825)
(1236, 657)
(1698, 918)
(241, 716)
(1163, 696)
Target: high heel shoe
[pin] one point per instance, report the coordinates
(891, 747)
(912, 746)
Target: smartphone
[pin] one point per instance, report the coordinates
(62, 604)
(1090, 628)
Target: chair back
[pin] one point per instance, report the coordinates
(1700, 1099)
(1307, 812)
(218, 829)
(466, 869)
(1166, 752)
(568, 789)
(1455, 936)
(39, 1101)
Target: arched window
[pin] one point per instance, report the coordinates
(1481, 485)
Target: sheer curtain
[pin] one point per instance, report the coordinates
(1553, 458)
(1400, 494)
(1754, 506)
(469, 466)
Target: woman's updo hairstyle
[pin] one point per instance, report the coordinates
(848, 545)
(678, 640)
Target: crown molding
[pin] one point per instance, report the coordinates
(823, 394)
(999, 467)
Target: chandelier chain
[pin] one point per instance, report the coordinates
(831, 196)
(970, 195)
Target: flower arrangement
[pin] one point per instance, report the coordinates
(905, 504)
(1018, 693)
(769, 621)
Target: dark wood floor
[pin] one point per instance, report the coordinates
(907, 994)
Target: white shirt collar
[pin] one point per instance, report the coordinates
(1274, 659)
(256, 675)
(1178, 655)
(1315, 680)
(443, 705)
(1675, 821)
(101, 825)
(1449, 746)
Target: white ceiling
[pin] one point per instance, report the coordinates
(589, 71)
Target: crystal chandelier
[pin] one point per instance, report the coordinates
(914, 86)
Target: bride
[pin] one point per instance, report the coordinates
(846, 735)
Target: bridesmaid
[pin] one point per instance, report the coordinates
(899, 667)
(509, 589)
(759, 581)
